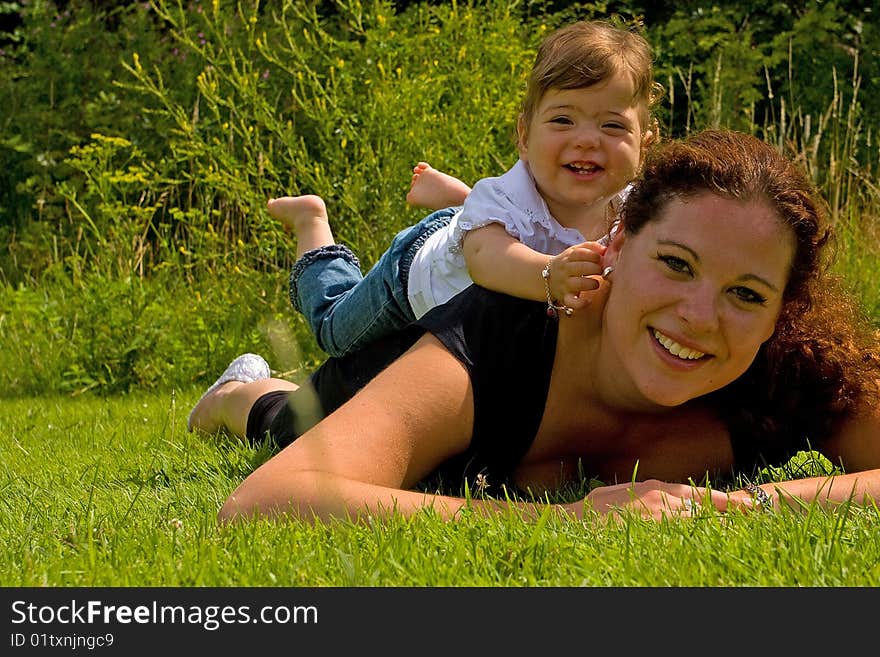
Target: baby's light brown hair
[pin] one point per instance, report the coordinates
(589, 52)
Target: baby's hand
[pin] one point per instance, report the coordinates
(575, 273)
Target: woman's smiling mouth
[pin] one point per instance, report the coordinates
(676, 349)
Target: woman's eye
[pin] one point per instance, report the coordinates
(749, 296)
(677, 265)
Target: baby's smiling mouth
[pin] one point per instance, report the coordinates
(583, 167)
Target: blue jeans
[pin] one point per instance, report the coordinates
(345, 309)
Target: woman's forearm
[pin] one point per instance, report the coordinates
(861, 488)
(320, 495)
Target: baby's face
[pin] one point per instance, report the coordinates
(583, 146)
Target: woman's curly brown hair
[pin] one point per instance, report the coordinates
(823, 361)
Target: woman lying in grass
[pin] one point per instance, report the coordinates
(715, 344)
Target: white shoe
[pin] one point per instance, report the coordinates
(246, 368)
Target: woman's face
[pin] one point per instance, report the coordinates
(694, 295)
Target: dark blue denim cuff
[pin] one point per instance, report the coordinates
(309, 257)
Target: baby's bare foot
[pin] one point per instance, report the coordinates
(296, 212)
(435, 190)
(307, 217)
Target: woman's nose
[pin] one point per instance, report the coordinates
(699, 309)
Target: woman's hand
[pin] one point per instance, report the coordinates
(651, 499)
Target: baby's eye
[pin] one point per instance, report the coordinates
(678, 265)
(613, 126)
(748, 295)
(562, 120)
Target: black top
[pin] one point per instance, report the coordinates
(506, 344)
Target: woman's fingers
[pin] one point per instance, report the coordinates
(657, 499)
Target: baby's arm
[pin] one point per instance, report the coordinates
(498, 261)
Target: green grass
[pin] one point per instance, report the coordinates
(114, 492)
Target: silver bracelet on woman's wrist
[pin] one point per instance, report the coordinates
(553, 308)
(759, 495)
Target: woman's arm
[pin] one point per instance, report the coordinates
(360, 459)
(498, 261)
(859, 488)
(364, 459)
(698, 442)
(855, 446)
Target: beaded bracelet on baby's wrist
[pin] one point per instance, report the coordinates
(553, 308)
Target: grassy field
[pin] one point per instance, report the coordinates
(115, 492)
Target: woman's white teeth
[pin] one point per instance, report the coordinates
(676, 349)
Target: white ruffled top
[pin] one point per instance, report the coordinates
(438, 271)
